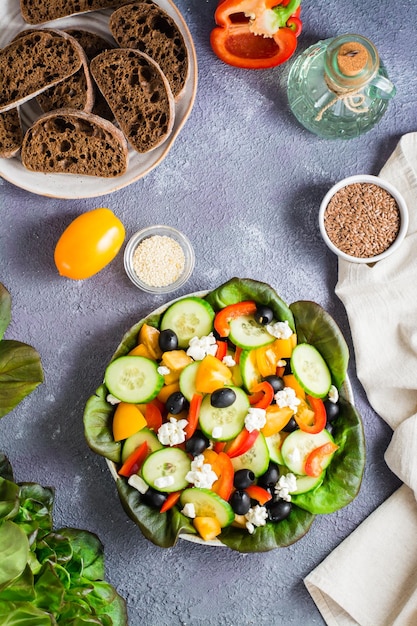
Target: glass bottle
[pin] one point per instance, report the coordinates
(338, 88)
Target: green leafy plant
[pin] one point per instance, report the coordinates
(49, 576)
(20, 364)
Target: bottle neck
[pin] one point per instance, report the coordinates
(351, 62)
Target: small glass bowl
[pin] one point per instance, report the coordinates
(402, 208)
(161, 231)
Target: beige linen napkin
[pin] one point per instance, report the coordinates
(371, 578)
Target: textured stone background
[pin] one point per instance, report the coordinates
(244, 181)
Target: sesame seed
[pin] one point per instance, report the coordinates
(158, 261)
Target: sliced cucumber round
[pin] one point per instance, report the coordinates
(247, 333)
(311, 370)
(136, 440)
(229, 420)
(208, 504)
(251, 376)
(187, 380)
(298, 445)
(166, 469)
(188, 318)
(255, 459)
(133, 379)
(274, 443)
(308, 483)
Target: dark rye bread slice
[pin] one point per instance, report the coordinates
(148, 28)
(40, 11)
(34, 62)
(74, 142)
(11, 134)
(138, 94)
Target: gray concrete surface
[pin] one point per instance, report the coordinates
(244, 181)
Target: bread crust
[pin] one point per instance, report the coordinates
(40, 11)
(138, 94)
(75, 142)
(11, 133)
(34, 62)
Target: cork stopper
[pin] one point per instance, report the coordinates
(352, 58)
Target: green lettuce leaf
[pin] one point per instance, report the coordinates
(24, 614)
(20, 373)
(5, 309)
(9, 499)
(14, 552)
(98, 416)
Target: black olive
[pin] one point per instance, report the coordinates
(270, 477)
(222, 398)
(197, 443)
(243, 478)
(279, 510)
(167, 340)
(332, 410)
(291, 426)
(276, 382)
(154, 498)
(287, 369)
(264, 314)
(240, 502)
(176, 403)
(329, 427)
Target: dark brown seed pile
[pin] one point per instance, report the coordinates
(362, 220)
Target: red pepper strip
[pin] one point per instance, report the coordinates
(193, 413)
(224, 485)
(219, 446)
(241, 443)
(238, 352)
(320, 416)
(171, 500)
(318, 458)
(134, 461)
(153, 416)
(221, 350)
(230, 312)
(258, 493)
(262, 395)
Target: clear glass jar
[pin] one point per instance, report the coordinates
(338, 88)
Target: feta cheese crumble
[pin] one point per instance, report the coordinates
(229, 360)
(256, 516)
(189, 510)
(287, 397)
(255, 419)
(280, 330)
(163, 370)
(217, 432)
(201, 474)
(199, 347)
(285, 486)
(333, 394)
(112, 400)
(138, 483)
(172, 433)
(164, 481)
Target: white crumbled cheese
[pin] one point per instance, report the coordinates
(333, 394)
(138, 483)
(285, 486)
(201, 475)
(255, 419)
(280, 330)
(199, 347)
(287, 397)
(217, 432)
(281, 363)
(163, 370)
(172, 433)
(189, 510)
(294, 456)
(112, 400)
(164, 481)
(229, 360)
(256, 516)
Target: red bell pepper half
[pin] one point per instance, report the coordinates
(256, 34)
(231, 312)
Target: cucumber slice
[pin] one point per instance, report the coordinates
(231, 419)
(172, 464)
(133, 379)
(274, 443)
(208, 504)
(310, 370)
(251, 376)
(298, 445)
(247, 333)
(304, 483)
(255, 459)
(187, 380)
(188, 318)
(134, 441)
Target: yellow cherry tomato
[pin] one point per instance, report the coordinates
(127, 420)
(88, 244)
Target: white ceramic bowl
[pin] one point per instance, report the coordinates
(402, 207)
(160, 231)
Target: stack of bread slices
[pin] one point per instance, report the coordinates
(99, 97)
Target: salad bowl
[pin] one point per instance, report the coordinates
(339, 476)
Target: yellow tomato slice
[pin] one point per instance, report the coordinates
(211, 375)
(276, 419)
(127, 421)
(207, 527)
